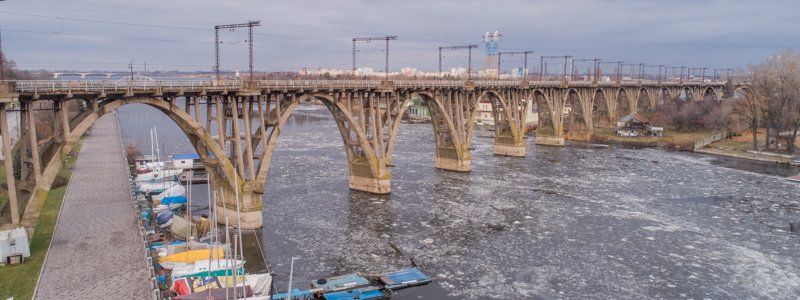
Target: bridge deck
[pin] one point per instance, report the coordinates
(179, 87)
(96, 250)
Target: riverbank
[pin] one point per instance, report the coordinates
(674, 140)
(19, 281)
(738, 147)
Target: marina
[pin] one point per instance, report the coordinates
(193, 258)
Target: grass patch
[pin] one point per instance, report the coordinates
(19, 281)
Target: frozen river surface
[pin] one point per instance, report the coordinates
(560, 223)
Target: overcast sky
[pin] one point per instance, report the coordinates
(312, 34)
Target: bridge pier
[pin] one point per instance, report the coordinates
(550, 140)
(361, 176)
(34, 143)
(7, 162)
(510, 150)
(451, 159)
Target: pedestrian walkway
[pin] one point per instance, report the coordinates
(97, 252)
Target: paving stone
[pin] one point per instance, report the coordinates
(97, 252)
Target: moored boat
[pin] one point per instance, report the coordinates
(157, 174)
(219, 294)
(259, 283)
(154, 188)
(215, 267)
(191, 256)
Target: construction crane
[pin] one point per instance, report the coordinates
(469, 57)
(232, 27)
(386, 53)
(525, 53)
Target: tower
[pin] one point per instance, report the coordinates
(491, 44)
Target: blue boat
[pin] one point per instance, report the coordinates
(355, 286)
(156, 245)
(404, 279)
(338, 283)
(356, 294)
(296, 295)
(173, 200)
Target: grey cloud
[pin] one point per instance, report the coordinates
(667, 32)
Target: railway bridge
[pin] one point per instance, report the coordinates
(234, 125)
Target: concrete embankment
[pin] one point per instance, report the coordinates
(96, 250)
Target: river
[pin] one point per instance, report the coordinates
(569, 222)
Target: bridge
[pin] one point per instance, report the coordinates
(83, 75)
(234, 125)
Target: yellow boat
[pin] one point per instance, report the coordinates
(191, 256)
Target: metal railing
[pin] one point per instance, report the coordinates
(61, 86)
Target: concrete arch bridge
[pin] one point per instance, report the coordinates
(235, 125)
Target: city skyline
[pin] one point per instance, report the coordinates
(94, 35)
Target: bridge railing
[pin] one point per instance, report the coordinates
(58, 86)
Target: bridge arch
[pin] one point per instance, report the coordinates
(215, 161)
(644, 100)
(452, 142)
(624, 102)
(686, 94)
(367, 168)
(601, 110)
(741, 91)
(710, 92)
(578, 115)
(509, 108)
(666, 96)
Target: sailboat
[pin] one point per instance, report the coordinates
(157, 175)
(259, 284)
(191, 256)
(214, 267)
(154, 188)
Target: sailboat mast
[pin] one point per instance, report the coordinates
(155, 140)
(239, 224)
(152, 146)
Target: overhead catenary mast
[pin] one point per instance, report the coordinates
(386, 53)
(249, 25)
(469, 57)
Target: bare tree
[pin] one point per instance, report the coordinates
(776, 85)
(748, 108)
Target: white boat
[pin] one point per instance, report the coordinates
(172, 191)
(158, 174)
(155, 187)
(214, 267)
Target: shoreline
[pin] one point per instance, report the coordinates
(688, 146)
(748, 156)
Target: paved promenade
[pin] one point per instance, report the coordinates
(97, 251)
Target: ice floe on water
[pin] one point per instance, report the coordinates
(560, 223)
(568, 222)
